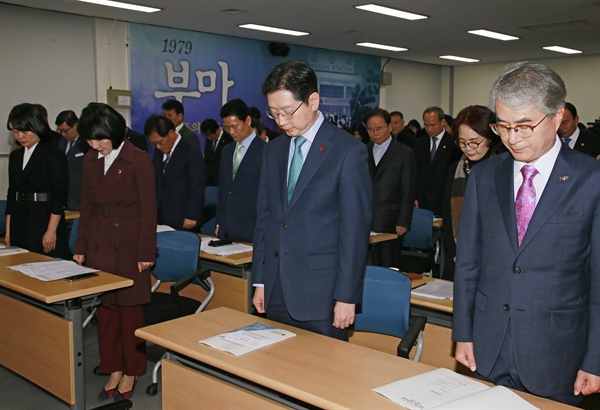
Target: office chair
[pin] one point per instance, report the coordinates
(177, 261)
(385, 309)
(211, 195)
(421, 246)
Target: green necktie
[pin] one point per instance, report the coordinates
(296, 166)
(237, 158)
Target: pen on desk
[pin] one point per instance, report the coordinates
(418, 286)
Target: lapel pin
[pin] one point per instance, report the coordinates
(119, 171)
(322, 148)
(564, 178)
(444, 147)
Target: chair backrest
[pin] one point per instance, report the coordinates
(208, 228)
(386, 302)
(421, 229)
(211, 194)
(73, 234)
(178, 253)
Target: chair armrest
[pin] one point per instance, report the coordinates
(434, 238)
(417, 324)
(199, 277)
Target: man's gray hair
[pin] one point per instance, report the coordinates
(527, 85)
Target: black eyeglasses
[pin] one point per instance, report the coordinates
(276, 115)
(63, 132)
(522, 130)
(470, 144)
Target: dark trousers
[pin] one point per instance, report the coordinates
(388, 253)
(505, 374)
(120, 349)
(278, 312)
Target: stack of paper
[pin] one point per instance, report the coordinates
(248, 338)
(12, 250)
(437, 289)
(225, 249)
(51, 270)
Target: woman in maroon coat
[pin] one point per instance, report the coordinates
(117, 234)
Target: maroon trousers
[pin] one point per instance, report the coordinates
(120, 349)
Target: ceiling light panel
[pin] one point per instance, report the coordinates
(457, 58)
(493, 34)
(374, 8)
(563, 50)
(274, 30)
(121, 5)
(381, 46)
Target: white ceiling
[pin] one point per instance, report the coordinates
(337, 25)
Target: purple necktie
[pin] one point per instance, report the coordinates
(525, 202)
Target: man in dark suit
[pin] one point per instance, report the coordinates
(216, 139)
(392, 166)
(173, 110)
(314, 211)
(179, 172)
(239, 175)
(434, 157)
(527, 282)
(577, 139)
(399, 133)
(74, 148)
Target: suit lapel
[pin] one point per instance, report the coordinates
(555, 191)
(316, 155)
(505, 191)
(282, 169)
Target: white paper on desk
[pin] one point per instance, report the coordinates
(437, 289)
(443, 387)
(11, 250)
(248, 338)
(51, 270)
(163, 228)
(224, 250)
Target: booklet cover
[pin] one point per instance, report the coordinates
(445, 389)
(247, 338)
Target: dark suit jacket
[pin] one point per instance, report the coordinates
(394, 185)
(588, 143)
(137, 139)
(212, 159)
(117, 226)
(46, 172)
(236, 207)
(318, 242)
(190, 136)
(547, 288)
(431, 175)
(75, 160)
(180, 188)
(406, 138)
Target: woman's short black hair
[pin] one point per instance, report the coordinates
(99, 121)
(29, 117)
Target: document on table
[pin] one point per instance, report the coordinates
(52, 270)
(163, 228)
(445, 389)
(225, 249)
(11, 250)
(248, 338)
(437, 289)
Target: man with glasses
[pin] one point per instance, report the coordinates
(239, 175)
(434, 155)
(74, 149)
(392, 166)
(527, 281)
(314, 211)
(179, 175)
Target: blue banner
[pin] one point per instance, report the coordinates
(204, 71)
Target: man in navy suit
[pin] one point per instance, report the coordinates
(577, 139)
(434, 155)
(314, 211)
(527, 283)
(216, 139)
(179, 172)
(239, 175)
(74, 149)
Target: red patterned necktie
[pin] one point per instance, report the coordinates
(525, 202)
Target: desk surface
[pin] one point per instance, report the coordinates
(71, 214)
(318, 370)
(443, 305)
(58, 290)
(246, 257)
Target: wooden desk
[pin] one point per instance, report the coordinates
(42, 328)
(69, 215)
(306, 370)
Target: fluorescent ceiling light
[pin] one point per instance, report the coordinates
(493, 34)
(564, 50)
(381, 46)
(463, 59)
(121, 5)
(274, 30)
(390, 12)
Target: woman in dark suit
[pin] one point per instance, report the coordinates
(37, 186)
(472, 133)
(117, 234)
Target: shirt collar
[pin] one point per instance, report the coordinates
(312, 131)
(545, 163)
(384, 145)
(246, 143)
(114, 153)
